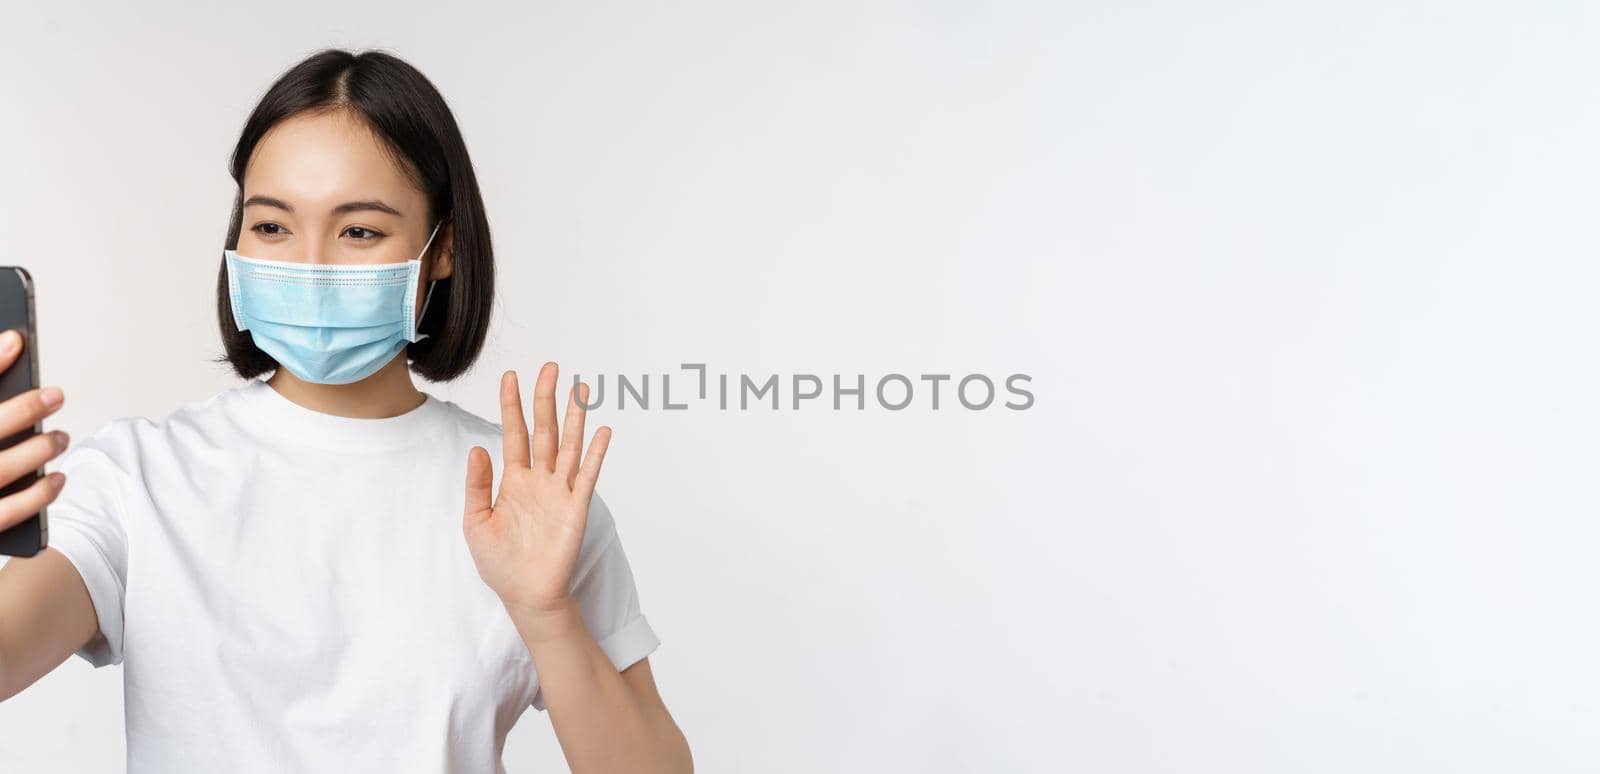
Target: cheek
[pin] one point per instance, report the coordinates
(252, 245)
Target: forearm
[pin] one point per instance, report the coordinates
(45, 615)
(600, 722)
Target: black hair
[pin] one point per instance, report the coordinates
(414, 124)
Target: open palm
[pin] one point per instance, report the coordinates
(525, 540)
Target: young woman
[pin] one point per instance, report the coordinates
(328, 569)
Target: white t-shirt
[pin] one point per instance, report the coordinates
(290, 591)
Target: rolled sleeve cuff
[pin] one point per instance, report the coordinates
(105, 591)
(624, 647)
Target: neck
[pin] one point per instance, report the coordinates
(387, 393)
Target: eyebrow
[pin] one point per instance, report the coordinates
(369, 204)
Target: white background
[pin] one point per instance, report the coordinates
(1307, 292)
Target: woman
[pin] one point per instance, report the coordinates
(291, 571)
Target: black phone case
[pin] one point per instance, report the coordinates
(29, 536)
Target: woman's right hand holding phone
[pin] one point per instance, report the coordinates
(16, 415)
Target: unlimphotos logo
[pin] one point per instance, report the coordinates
(892, 391)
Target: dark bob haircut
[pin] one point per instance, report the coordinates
(410, 117)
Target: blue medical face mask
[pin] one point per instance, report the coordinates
(327, 323)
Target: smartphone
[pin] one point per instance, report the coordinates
(29, 536)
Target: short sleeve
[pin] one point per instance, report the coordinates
(603, 585)
(85, 523)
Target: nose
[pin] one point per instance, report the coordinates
(315, 251)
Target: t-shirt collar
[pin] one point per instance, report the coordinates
(278, 415)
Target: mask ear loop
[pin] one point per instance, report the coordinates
(422, 315)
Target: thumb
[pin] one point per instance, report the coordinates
(480, 486)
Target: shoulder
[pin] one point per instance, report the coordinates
(480, 430)
(128, 442)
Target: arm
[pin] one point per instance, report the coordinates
(526, 540)
(605, 720)
(45, 615)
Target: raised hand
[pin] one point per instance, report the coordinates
(525, 540)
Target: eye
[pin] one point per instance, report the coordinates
(258, 228)
(371, 235)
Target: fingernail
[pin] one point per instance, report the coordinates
(61, 439)
(51, 396)
(9, 341)
(57, 479)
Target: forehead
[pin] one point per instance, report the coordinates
(321, 160)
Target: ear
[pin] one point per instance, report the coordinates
(444, 262)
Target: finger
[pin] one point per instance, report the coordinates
(30, 455)
(10, 347)
(14, 508)
(590, 472)
(514, 432)
(544, 419)
(26, 409)
(572, 434)
(480, 487)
